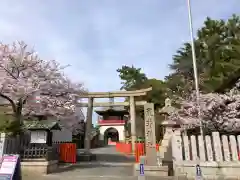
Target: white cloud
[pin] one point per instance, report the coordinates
(97, 37)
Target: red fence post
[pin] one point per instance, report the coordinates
(136, 153)
(129, 145)
(74, 153)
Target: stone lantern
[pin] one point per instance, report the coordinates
(168, 124)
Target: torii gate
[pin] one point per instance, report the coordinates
(130, 94)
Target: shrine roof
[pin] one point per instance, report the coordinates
(113, 110)
(42, 125)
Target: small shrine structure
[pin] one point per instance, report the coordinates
(41, 131)
(111, 124)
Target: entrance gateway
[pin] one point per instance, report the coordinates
(111, 124)
(132, 103)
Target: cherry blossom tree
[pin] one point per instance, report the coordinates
(24, 76)
(219, 112)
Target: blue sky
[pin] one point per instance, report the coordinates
(98, 36)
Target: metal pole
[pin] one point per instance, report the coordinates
(194, 64)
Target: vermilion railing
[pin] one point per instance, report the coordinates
(126, 148)
(68, 152)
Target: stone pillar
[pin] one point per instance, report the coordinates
(87, 142)
(165, 144)
(133, 122)
(150, 137)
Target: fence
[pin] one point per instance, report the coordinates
(40, 151)
(210, 148)
(68, 152)
(14, 145)
(21, 145)
(126, 148)
(66, 149)
(216, 154)
(63, 151)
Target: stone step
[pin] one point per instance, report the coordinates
(152, 170)
(86, 157)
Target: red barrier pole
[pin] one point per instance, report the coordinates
(117, 146)
(126, 147)
(136, 152)
(69, 152)
(142, 149)
(61, 152)
(74, 153)
(121, 147)
(65, 152)
(129, 148)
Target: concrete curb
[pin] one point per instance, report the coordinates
(98, 163)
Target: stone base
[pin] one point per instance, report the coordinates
(38, 166)
(83, 157)
(209, 169)
(152, 170)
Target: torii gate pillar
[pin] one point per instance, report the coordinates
(87, 140)
(133, 122)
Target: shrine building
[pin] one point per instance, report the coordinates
(111, 124)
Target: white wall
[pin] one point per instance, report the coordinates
(120, 130)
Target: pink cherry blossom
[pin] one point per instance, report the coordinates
(33, 86)
(219, 112)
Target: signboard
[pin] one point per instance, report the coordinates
(141, 169)
(198, 172)
(10, 168)
(38, 136)
(5, 177)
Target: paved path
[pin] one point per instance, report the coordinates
(109, 165)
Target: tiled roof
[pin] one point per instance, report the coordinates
(43, 124)
(116, 108)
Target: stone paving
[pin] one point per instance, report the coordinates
(109, 165)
